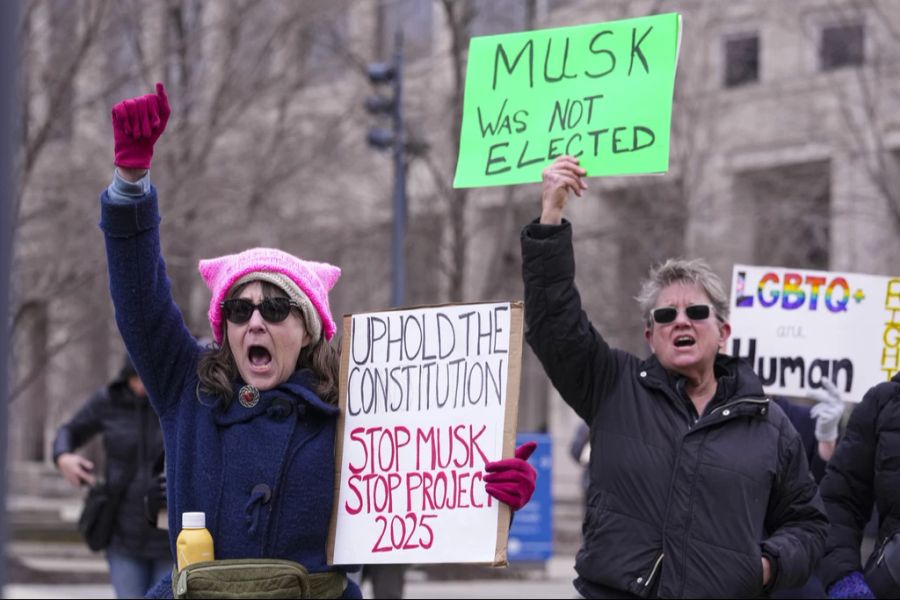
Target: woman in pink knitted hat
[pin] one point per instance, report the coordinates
(249, 423)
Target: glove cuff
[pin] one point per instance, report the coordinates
(131, 158)
(827, 432)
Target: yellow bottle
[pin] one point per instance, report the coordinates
(194, 543)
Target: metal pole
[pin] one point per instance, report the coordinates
(398, 249)
(9, 22)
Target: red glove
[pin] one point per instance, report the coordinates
(512, 480)
(137, 124)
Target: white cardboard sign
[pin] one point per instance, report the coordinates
(797, 327)
(428, 395)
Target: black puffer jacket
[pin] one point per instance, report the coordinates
(677, 507)
(864, 470)
(125, 420)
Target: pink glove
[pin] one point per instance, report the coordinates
(512, 480)
(137, 124)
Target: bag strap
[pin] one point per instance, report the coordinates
(329, 584)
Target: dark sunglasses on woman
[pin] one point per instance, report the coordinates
(273, 310)
(694, 312)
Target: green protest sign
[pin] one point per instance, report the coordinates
(601, 92)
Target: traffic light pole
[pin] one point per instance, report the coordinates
(398, 244)
(378, 137)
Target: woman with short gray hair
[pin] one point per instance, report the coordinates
(699, 485)
(676, 270)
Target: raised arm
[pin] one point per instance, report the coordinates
(574, 355)
(160, 345)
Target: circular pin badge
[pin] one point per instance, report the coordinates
(248, 396)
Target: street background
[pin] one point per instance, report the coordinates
(785, 151)
(54, 563)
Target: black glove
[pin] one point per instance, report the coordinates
(155, 498)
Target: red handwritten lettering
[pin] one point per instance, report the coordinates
(405, 477)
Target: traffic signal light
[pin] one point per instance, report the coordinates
(380, 104)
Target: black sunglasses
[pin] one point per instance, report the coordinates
(273, 310)
(694, 312)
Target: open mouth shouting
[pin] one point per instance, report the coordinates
(685, 341)
(259, 358)
(266, 360)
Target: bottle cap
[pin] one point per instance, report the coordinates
(193, 520)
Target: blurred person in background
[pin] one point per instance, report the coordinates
(865, 471)
(138, 553)
(818, 424)
(699, 485)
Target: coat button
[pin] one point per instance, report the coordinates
(640, 580)
(281, 408)
(726, 412)
(763, 410)
(264, 491)
(643, 373)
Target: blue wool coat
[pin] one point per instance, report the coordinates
(263, 475)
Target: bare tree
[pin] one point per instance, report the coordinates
(867, 107)
(459, 19)
(255, 100)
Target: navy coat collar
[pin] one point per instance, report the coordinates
(293, 396)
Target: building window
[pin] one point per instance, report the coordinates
(741, 60)
(842, 46)
(791, 205)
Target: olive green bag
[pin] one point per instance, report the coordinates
(255, 578)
